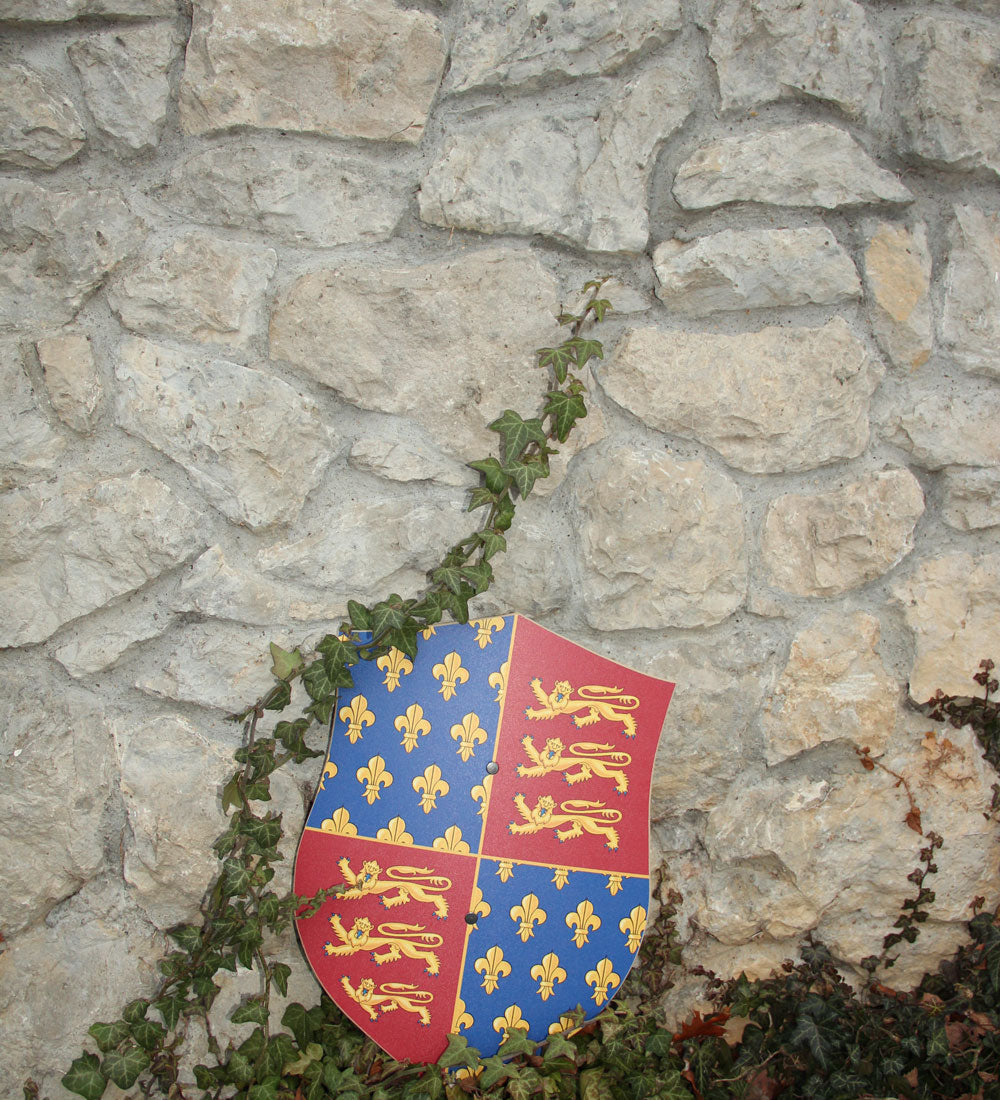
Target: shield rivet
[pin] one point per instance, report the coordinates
(471, 918)
(492, 767)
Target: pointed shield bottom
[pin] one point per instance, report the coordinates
(485, 808)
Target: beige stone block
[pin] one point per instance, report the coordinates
(74, 384)
(897, 269)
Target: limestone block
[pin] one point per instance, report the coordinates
(39, 126)
(970, 320)
(780, 399)
(168, 861)
(55, 769)
(662, 542)
(124, 73)
(949, 102)
(897, 271)
(810, 164)
(62, 11)
(948, 426)
(971, 498)
(754, 269)
(200, 287)
(535, 40)
(28, 444)
(293, 194)
(73, 544)
(73, 382)
(97, 642)
(358, 69)
(398, 461)
(57, 248)
(775, 49)
(823, 544)
(251, 443)
(952, 606)
(449, 344)
(833, 687)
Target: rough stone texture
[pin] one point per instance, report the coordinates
(56, 767)
(295, 194)
(344, 69)
(676, 559)
(952, 606)
(971, 498)
(39, 126)
(125, 81)
(823, 544)
(28, 443)
(535, 39)
(754, 269)
(775, 49)
(811, 164)
(62, 11)
(73, 544)
(947, 426)
(970, 320)
(200, 286)
(73, 382)
(399, 461)
(833, 687)
(949, 100)
(96, 643)
(57, 248)
(253, 445)
(897, 272)
(429, 341)
(781, 399)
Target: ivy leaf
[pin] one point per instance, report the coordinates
(265, 1090)
(108, 1036)
(148, 1034)
(586, 350)
(600, 306)
(135, 1011)
(265, 831)
(494, 1069)
(458, 1053)
(493, 472)
(231, 794)
(565, 410)
(937, 1047)
(594, 1085)
(450, 576)
(493, 543)
(235, 877)
(480, 498)
(558, 358)
(524, 475)
(360, 616)
(559, 1047)
(388, 615)
(517, 433)
(808, 1033)
(505, 513)
(170, 1008)
(252, 1011)
(284, 663)
(479, 576)
(85, 1077)
(280, 973)
(279, 696)
(297, 1020)
(296, 1066)
(124, 1066)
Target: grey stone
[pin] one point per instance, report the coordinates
(58, 247)
(294, 194)
(73, 382)
(62, 11)
(73, 544)
(948, 427)
(56, 765)
(949, 100)
(897, 268)
(970, 320)
(96, 643)
(39, 126)
(28, 444)
(810, 164)
(200, 286)
(124, 73)
(823, 544)
(774, 49)
(662, 542)
(971, 498)
(344, 69)
(754, 269)
(534, 40)
(252, 444)
(399, 461)
(780, 399)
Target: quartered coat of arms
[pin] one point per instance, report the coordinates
(485, 808)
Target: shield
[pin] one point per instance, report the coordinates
(485, 808)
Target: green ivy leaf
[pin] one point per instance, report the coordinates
(600, 306)
(517, 433)
(387, 616)
(517, 1042)
(280, 973)
(136, 1010)
(586, 350)
(279, 696)
(659, 1043)
(252, 1011)
(170, 1008)
(298, 1066)
(148, 1034)
(123, 1067)
(235, 877)
(525, 474)
(564, 409)
(239, 1067)
(450, 576)
(493, 543)
(559, 1047)
(558, 359)
(494, 1069)
(458, 1053)
(85, 1077)
(207, 1078)
(360, 616)
(186, 936)
(265, 831)
(265, 1090)
(480, 576)
(808, 1033)
(231, 794)
(594, 1085)
(481, 498)
(285, 662)
(108, 1036)
(493, 472)
(937, 1047)
(505, 513)
(297, 1020)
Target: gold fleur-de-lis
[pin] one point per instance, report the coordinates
(633, 926)
(584, 920)
(529, 913)
(483, 908)
(561, 877)
(339, 823)
(329, 771)
(493, 966)
(505, 870)
(429, 786)
(412, 725)
(548, 973)
(566, 1023)
(394, 832)
(356, 714)
(481, 793)
(602, 977)
(451, 673)
(428, 632)
(461, 1018)
(484, 629)
(451, 841)
(468, 734)
(498, 680)
(614, 884)
(394, 664)
(375, 776)
(512, 1018)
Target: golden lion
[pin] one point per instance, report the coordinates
(577, 815)
(592, 759)
(410, 884)
(598, 702)
(399, 940)
(390, 996)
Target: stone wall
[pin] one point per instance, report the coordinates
(270, 268)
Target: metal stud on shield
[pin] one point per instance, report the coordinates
(486, 808)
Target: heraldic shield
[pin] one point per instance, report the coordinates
(485, 808)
